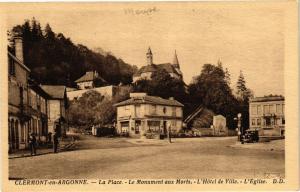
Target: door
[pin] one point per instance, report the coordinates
(165, 127)
(12, 132)
(137, 126)
(17, 134)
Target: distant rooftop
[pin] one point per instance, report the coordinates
(146, 99)
(55, 91)
(267, 98)
(154, 67)
(89, 76)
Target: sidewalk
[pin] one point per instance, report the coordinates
(65, 145)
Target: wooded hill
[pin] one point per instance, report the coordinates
(55, 59)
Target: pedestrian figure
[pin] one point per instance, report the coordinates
(32, 144)
(55, 142)
(49, 137)
(169, 134)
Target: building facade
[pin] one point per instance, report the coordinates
(37, 108)
(145, 72)
(266, 114)
(142, 113)
(107, 91)
(56, 107)
(90, 79)
(26, 102)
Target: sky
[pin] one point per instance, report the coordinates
(247, 37)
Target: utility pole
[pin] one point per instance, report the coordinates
(169, 134)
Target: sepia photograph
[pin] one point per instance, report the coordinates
(187, 94)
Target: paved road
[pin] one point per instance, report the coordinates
(122, 158)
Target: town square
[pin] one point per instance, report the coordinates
(148, 91)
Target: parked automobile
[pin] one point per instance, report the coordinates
(250, 136)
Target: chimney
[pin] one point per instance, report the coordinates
(171, 98)
(19, 48)
(138, 95)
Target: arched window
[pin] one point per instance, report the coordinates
(17, 131)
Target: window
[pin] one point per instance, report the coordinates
(138, 110)
(258, 109)
(173, 111)
(253, 110)
(272, 109)
(258, 122)
(278, 108)
(266, 109)
(165, 110)
(154, 125)
(253, 122)
(173, 123)
(152, 109)
(268, 121)
(283, 121)
(125, 127)
(283, 108)
(11, 67)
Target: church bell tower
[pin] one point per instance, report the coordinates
(149, 57)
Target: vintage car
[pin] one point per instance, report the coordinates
(250, 136)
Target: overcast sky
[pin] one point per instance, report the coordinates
(247, 38)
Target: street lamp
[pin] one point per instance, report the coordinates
(239, 124)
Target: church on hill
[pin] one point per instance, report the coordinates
(145, 72)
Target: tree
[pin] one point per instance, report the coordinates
(211, 90)
(55, 59)
(242, 92)
(227, 77)
(163, 85)
(93, 108)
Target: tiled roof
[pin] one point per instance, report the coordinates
(154, 67)
(267, 98)
(55, 91)
(89, 76)
(149, 100)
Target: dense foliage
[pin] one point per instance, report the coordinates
(94, 109)
(162, 85)
(212, 90)
(55, 59)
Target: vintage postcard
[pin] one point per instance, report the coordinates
(149, 96)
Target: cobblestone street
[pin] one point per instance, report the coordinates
(109, 158)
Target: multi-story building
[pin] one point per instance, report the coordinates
(145, 72)
(266, 114)
(56, 107)
(37, 105)
(17, 98)
(142, 113)
(26, 102)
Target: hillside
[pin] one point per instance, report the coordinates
(55, 59)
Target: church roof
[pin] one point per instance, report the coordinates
(154, 67)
